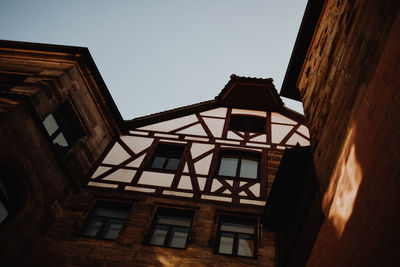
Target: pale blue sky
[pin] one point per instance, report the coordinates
(158, 55)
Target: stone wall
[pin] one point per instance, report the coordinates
(47, 177)
(350, 90)
(64, 246)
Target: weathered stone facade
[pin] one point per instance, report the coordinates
(34, 82)
(64, 245)
(62, 180)
(350, 90)
(349, 85)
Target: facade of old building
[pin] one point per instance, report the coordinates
(345, 68)
(185, 186)
(230, 181)
(56, 119)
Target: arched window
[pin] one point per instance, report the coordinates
(12, 193)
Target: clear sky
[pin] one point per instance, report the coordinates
(158, 55)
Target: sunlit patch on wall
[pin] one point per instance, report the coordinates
(344, 186)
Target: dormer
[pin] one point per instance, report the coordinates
(250, 93)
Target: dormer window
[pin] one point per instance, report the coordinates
(167, 157)
(247, 124)
(239, 165)
(63, 127)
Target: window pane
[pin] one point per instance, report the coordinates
(159, 235)
(172, 164)
(245, 246)
(228, 166)
(50, 124)
(60, 139)
(248, 169)
(112, 213)
(112, 229)
(158, 162)
(3, 212)
(93, 226)
(172, 220)
(178, 237)
(237, 228)
(69, 123)
(226, 243)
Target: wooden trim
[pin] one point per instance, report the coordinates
(126, 147)
(183, 127)
(268, 128)
(264, 174)
(181, 166)
(289, 134)
(226, 125)
(146, 161)
(204, 125)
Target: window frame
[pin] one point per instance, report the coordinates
(240, 155)
(237, 218)
(66, 118)
(163, 150)
(187, 213)
(110, 205)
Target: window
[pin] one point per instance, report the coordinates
(106, 220)
(63, 127)
(12, 193)
(171, 228)
(236, 236)
(247, 124)
(239, 165)
(167, 157)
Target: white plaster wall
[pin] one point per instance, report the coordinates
(203, 166)
(121, 175)
(135, 143)
(116, 155)
(170, 125)
(279, 118)
(198, 148)
(156, 179)
(279, 132)
(217, 112)
(215, 125)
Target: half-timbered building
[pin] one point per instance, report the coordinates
(191, 186)
(222, 150)
(184, 186)
(206, 166)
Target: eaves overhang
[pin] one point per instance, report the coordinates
(310, 20)
(68, 53)
(240, 92)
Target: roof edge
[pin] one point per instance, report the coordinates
(170, 114)
(306, 32)
(83, 53)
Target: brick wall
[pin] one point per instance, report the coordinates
(350, 90)
(64, 246)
